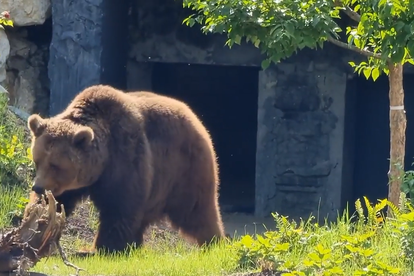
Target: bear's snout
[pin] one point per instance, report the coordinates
(38, 190)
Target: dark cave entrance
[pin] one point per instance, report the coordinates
(371, 134)
(225, 99)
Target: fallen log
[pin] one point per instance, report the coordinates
(37, 237)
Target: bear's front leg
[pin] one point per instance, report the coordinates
(115, 235)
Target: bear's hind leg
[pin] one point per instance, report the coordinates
(203, 223)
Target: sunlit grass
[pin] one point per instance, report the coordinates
(9, 200)
(161, 258)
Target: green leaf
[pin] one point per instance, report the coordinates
(290, 29)
(375, 74)
(237, 39)
(367, 72)
(265, 64)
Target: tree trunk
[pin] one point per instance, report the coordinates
(397, 130)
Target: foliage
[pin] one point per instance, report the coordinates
(16, 168)
(368, 246)
(407, 186)
(15, 161)
(15, 157)
(382, 32)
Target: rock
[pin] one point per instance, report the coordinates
(4, 54)
(20, 46)
(25, 87)
(26, 71)
(27, 12)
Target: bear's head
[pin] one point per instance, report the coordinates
(63, 154)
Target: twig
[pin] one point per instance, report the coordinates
(353, 48)
(65, 259)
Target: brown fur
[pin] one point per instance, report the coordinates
(139, 156)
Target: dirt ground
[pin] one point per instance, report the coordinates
(80, 225)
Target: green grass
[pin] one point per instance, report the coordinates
(10, 199)
(162, 259)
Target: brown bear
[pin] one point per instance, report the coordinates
(139, 156)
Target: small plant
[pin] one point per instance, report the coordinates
(407, 186)
(16, 167)
(15, 157)
(5, 19)
(369, 246)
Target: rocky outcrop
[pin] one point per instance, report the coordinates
(4, 53)
(24, 54)
(27, 74)
(27, 12)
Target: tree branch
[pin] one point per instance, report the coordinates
(353, 48)
(352, 14)
(348, 11)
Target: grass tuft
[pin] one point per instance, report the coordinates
(11, 199)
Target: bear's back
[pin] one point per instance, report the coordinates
(164, 116)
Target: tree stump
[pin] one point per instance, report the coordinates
(37, 237)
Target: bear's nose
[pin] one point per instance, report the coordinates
(38, 190)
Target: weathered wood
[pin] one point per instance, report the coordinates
(37, 237)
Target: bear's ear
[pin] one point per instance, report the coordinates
(83, 136)
(36, 124)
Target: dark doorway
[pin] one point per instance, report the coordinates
(372, 136)
(225, 99)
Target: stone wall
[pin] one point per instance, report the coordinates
(23, 57)
(88, 47)
(158, 35)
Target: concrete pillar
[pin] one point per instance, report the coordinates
(266, 152)
(300, 139)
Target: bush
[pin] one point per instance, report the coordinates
(370, 245)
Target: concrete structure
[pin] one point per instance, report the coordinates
(292, 139)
